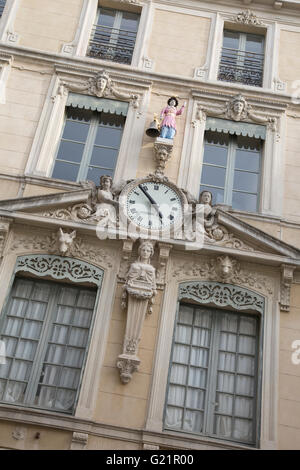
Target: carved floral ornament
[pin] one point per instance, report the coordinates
(236, 109)
(101, 85)
(247, 17)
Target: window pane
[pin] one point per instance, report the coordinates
(195, 398)
(70, 151)
(244, 201)
(176, 395)
(185, 314)
(254, 43)
(129, 21)
(65, 171)
(245, 181)
(174, 417)
(77, 131)
(108, 136)
(106, 17)
(104, 157)
(242, 429)
(178, 374)
(193, 421)
(181, 354)
(231, 39)
(224, 403)
(247, 160)
(215, 154)
(213, 175)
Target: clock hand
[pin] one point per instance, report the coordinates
(151, 200)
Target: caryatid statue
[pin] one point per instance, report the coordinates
(139, 291)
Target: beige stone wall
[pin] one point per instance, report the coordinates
(289, 58)
(289, 382)
(49, 439)
(292, 169)
(47, 25)
(119, 404)
(25, 95)
(178, 42)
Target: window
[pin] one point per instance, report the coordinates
(2, 6)
(91, 138)
(242, 58)
(231, 170)
(113, 36)
(45, 329)
(213, 374)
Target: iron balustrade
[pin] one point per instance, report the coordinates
(241, 66)
(2, 5)
(112, 44)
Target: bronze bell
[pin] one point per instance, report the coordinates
(153, 129)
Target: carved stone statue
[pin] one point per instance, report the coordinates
(105, 207)
(139, 291)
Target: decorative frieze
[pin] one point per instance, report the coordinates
(102, 86)
(60, 268)
(287, 273)
(80, 248)
(223, 269)
(222, 295)
(248, 18)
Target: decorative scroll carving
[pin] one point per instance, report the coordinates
(102, 86)
(162, 152)
(60, 268)
(223, 269)
(48, 243)
(126, 254)
(139, 290)
(222, 295)
(237, 109)
(79, 441)
(247, 17)
(285, 287)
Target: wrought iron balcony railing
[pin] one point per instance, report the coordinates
(240, 66)
(112, 44)
(2, 5)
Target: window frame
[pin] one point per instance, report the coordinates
(208, 416)
(88, 148)
(40, 357)
(242, 49)
(229, 174)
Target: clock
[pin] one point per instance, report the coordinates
(153, 205)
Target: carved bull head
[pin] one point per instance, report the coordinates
(65, 241)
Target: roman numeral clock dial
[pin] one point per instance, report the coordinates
(152, 205)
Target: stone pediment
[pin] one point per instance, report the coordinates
(227, 230)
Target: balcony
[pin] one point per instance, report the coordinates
(112, 44)
(242, 67)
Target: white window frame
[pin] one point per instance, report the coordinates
(270, 360)
(79, 46)
(272, 175)
(7, 34)
(46, 139)
(270, 72)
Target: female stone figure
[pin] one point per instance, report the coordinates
(168, 116)
(105, 205)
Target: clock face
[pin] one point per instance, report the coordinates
(155, 206)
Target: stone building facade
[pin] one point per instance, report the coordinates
(111, 342)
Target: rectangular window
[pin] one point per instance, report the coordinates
(231, 170)
(2, 6)
(89, 145)
(46, 330)
(113, 36)
(242, 58)
(213, 374)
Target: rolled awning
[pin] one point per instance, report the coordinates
(97, 104)
(236, 128)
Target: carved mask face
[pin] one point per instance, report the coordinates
(238, 107)
(145, 251)
(101, 83)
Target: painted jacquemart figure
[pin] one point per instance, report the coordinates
(139, 291)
